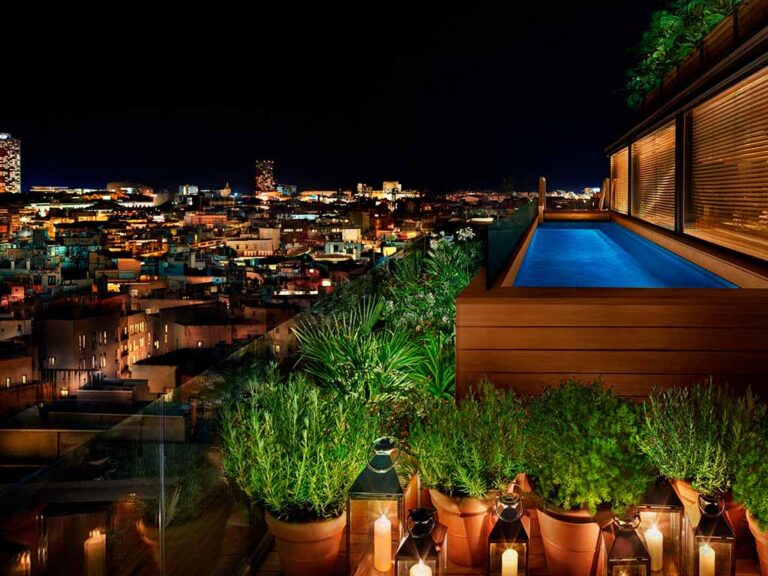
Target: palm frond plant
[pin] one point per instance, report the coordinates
(345, 352)
(693, 434)
(438, 368)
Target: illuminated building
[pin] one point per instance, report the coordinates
(287, 189)
(391, 190)
(10, 164)
(265, 175)
(188, 190)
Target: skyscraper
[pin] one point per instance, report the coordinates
(265, 175)
(10, 164)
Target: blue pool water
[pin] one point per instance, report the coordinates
(602, 254)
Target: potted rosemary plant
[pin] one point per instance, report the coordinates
(582, 461)
(466, 454)
(692, 435)
(295, 450)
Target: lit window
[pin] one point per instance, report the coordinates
(199, 343)
(23, 378)
(51, 360)
(7, 382)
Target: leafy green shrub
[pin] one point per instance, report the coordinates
(693, 433)
(295, 449)
(671, 36)
(473, 448)
(750, 473)
(421, 294)
(581, 448)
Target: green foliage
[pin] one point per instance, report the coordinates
(581, 448)
(671, 36)
(473, 448)
(294, 448)
(344, 351)
(694, 433)
(421, 293)
(750, 473)
(438, 367)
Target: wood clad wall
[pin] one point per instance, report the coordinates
(632, 339)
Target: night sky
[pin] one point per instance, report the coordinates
(439, 97)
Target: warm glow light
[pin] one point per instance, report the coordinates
(706, 560)
(654, 540)
(421, 569)
(509, 562)
(95, 554)
(382, 544)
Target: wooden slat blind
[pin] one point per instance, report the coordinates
(653, 177)
(620, 178)
(728, 199)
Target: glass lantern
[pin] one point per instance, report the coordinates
(422, 552)
(714, 543)
(508, 541)
(375, 512)
(661, 525)
(628, 555)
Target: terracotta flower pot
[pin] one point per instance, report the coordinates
(737, 518)
(688, 495)
(469, 522)
(734, 511)
(307, 548)
(761, 542)
(571, 542)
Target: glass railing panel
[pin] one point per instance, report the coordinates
(148, 496)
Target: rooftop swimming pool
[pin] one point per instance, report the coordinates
(605, 255)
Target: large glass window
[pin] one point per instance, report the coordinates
(620, 181)
(653, 177)
(728, 199)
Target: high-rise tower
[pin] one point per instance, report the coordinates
(265, 175)
(10, 164)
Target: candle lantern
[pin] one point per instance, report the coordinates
(422, 552)
(662, 516)
(375, 512)
(628, 555)
(508, 541)
(714, 542)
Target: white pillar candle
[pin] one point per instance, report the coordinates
(654, 539)
(382, 544)
(509, 562)
(420, 569)
(706, 560)
(95, 554)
